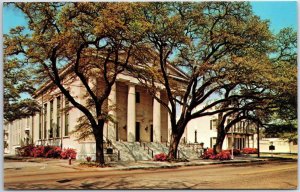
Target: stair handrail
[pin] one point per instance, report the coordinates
(114, 147)
(147, 148)
(178, 153)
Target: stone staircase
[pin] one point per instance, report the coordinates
(135, 151)
(132, 151)
(189, 152)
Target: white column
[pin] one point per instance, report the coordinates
(156, 119)
(112, 101)
(131, 118)
(169, 124)
(10, 138)
(54, 116)
(48, 120)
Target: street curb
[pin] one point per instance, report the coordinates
(151, 165)
(190, 164)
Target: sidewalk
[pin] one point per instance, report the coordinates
(19, 162)
(197, 162)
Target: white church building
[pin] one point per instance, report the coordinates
(138, 119)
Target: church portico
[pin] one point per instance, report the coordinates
(138, 117)
(135, 116)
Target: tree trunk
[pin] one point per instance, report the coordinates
(217, 148)
(175, 138)
(173, 148)
(98, 133)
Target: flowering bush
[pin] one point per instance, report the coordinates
(54, 152)
(249, 151)
(236, 152)
(209, 154)
(38, 151)
(160, 157)
(44, 151)
(66, 153)
(26, 151)
(223, 155)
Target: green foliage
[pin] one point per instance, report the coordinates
(18, 82)
(282, 129)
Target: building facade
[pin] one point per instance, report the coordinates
(137, 117)
(204, 130)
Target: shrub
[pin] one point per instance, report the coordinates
(66, 153)
(46, 151)
(236, 152)
(54, 152)
(160, 157)
(224, 155)
(249, 151)
(209, 154)
(38, 151)
(26, 151)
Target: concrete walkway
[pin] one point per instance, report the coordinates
(197, 162)
(12, 162)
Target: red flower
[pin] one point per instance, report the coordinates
(66, 153)
(249, 151)
(224, 155)
(160, 157)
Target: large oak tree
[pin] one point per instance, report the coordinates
(91, 40)
(219, 46)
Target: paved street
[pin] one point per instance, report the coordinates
(260, 175)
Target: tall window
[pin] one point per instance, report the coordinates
(51, 119)
(58, 118)
(28, 121)
(243, 126)
(66, 117)
(137, 97)
(213, 124)
(45, 121)
(213, 141)
(40, 125)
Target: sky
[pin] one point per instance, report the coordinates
(280, 13)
